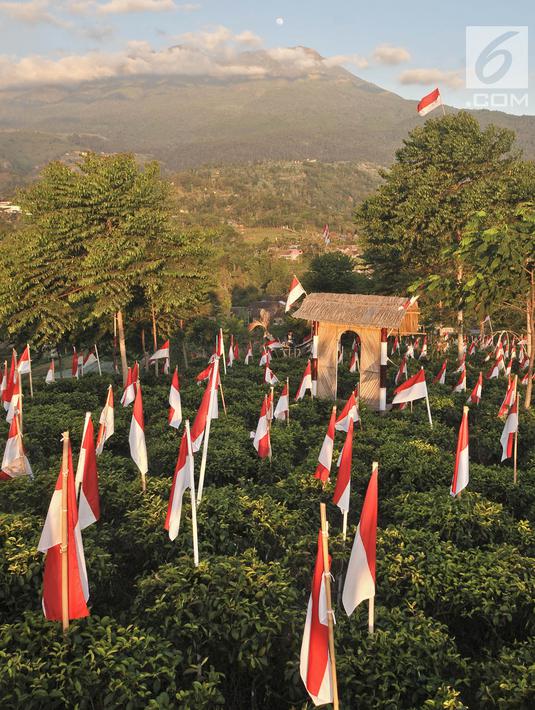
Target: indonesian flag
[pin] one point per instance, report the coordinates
(296, 291)
(429, 102)
(220, 346)
(343, 480)
(90, 359)
(50, 542)
(175, 404)
(395, 346)
(51, 374)
(161, 354)
(208, 407)
(315, 661)
(509, 398)
(408, 303)
(282, 410)
(509, 367)
(323, 470)
(401, 371)
(236, 351)
(129, 393)
(74, 364)
(261, 441)
(462, 364)
(495, 369)
(273, 344)
(306, 383)
(269, 376)
(204, 374)
(507, 438)
(249, 354)
(136, 438)
(462, 464)
(10, 381)
(15, 463)
(270, 403)
(440, 377)
(181, 482)
(326, 235)
(414, 388)
(230, 360)
(265, 358)
(461, 382)
(410, 351)
(87, 478)
(472, 348)
(475, 396)
(106, 425)
(360, 578)
(14, 404)
(423, 354)
(350, 413)
(353, 361)
(25, 364)
(3, 382)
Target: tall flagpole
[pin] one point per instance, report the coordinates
(64, 534)
(515, 448)
(330, 612)
(213, 390)
(31, 381)
(98, 360)
(192, 497)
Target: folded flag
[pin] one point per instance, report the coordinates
(462, 463)
(475, 396)
(106, 425)
(507, 438)
(325, 458)
(174, 417)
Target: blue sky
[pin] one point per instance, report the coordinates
(61, 40)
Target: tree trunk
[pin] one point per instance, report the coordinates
(185, 353)
(144, 350)
(530, 313)
(122, 346)
(155, 338)
(460, 316)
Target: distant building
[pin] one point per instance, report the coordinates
(291, 254)
(9, 208)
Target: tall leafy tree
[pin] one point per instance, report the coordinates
(334, 272)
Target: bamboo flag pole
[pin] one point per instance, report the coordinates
(192, 497)
(223, 351)
(515, 447)
(115, 366)
(330, 613)
(64, 534)
(213, 391)
(288, 412)
(344, 525)
(371, 600)
(154, 337)
(31, 381)
(98, 360)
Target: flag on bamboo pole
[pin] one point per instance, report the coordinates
(495, 369)
(24, 366)
(89, 359)
(249, 354)
(296, 291)
(306, 383)
(174, 417)
(181, 482)
(204, 374)
(408, 303)
(429, 103)
(343, 479)
(129, 393)
(265, 359)
(230, 360)
(136, 438)
(423, 354)
(462, 364)
(350, 412)
(51, 543)
(74, 363)
(472, 348)
(207, 401)
(353, 362)
(509, 367)
(15, 401)
(475, 396)
(395, 345)
(269, 376)
(3, 381)
(282, 410)
(509, 398)
(440, 377)
(262, 440)
(325, 458)
(414, 388)
(315, 660)
(86, 480)
(160, 354)
(460, 386)
(15, 462)
(106, 425)
(51, 373)
(507, 438)
(10, 381)
(401, 371)
(462, 461)
(360, 578)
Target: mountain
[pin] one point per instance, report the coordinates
(328, 114)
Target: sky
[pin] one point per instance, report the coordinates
(407, 47)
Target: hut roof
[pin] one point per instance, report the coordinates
(357, 309)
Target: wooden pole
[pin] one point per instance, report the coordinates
(515, 446)
(192, 497)
(222, 397)
(115, 366)
(223, 349)
(371, 600)
(98, 360)
(122, 346)
(344, 525)
(288, 412)
(330, 613)
(31, 381)
(154, 337)
(64, 534)
(207, 432)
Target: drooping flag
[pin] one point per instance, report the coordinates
(360, 578)
(440, 377)
(494, 371)
(87, 478)
(408, 303)
(282, 410)
(462, 462)
(51, 543)
(315, 661)
(136, 438)
(10, 381)
(75, 363)
(306, 383)
(410, 351)
(15, 462)
(350, 413)
(326, 235)
(106, 425)
(160, 354)
(24, 366)
(296, 291)
(429, 103)
(230, 360)
(401, 371)
(325, 458)
(509, 398)
(460, 386)
(462, 364)
(507, 438)
(181, 482)
(90, 359)
(129, 393)
(475, 396)
(249, 354)
(269, 376)
(51, 374)
(262, 440)
(343, 480)
(423, 354)
(174, 417)
(15, 404)
(207, 408)
(353, 363)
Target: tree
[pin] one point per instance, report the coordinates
(334, 272)
(447, 170)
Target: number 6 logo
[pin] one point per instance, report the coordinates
(489, 53)
(496, 57)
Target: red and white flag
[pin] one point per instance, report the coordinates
(315, 661)
(408, 303)
(353, 363)
(423, 354)
(296, 291)
(75, 362)
(461, 382)
(207, 408)
(161, 354)
(509, 398)
(343, 479)
(325, 458)
(174, 417)
(509, 367)
(495, 369)
(230, 360)
(306, 383)
(273, 344)
(262, 440)
(350, 412)
(249, 354)
(395, 345)
(326, 235)
(475, 396)
(401, 371)
(9, 381)
(462, 364)
(24, 366)
(472, 348)
(462, 462)
(106, 425)
(90, 359)
(440, 377)
(414, 388)
(429, 102)
(15, 462)
(50, 542)
(136, 438)
(129, 393)
(269, 376)
(182, 480)
(204, 374)
(87, 477)
(507, 438)
(15, 401)
(219, 344)
(360, 578)
(282, 410)
(265, 359)
(51, 374)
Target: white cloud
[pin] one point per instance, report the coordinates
(428, 77)
(125, 6)
(32, 12)
(387, 54)
(188, 7)
(341, 59)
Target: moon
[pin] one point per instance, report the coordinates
(280, 20)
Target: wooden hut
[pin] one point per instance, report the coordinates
(336, 313)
